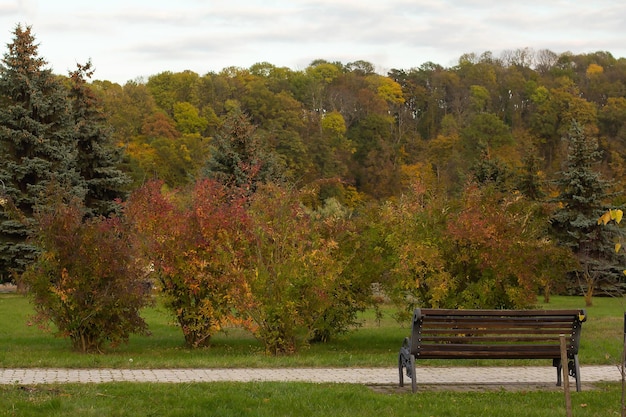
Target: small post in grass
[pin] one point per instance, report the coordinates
(564, 362)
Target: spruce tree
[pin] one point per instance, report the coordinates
(529, 181)
(239, 158)
(98, 157)
(37, 145)
(582, 200)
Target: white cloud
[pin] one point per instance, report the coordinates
(127, 39)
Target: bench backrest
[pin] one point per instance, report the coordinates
(495, 334)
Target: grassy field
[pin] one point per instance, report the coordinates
(602, 338)
(25, 345)
(375, 343)
(291, 399)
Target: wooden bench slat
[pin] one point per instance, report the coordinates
(491, 339)
(497, 314)
(501, 320)
(497, 323)
(500, 313)
(491, 331)
(472, 347)
(488, 355)
(493, 352)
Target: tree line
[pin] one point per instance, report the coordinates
(273, 199)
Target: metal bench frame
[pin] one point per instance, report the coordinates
(492, 334)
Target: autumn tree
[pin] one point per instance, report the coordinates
(612, 118)
(188, 119)
(267, 100)
(374, 162)
(484, 132)
(330, 152)
(489, 250)
(334, 148)
(194, 244)
(167, 151)
(311, 89)
(128, 109)
(555, 110)
(89, 281)
(404, 248)
(37, 140)
(499, 252)
(296, 274)
(169, 88)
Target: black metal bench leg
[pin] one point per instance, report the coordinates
(400, 369)
(577, 373)
(413, 376)
(407, 361)
(559, 371)
(573, 369)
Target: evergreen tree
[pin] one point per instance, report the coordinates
(491, 171)
(529, 180)
(583, 193)
(36, 144)
(239, 158)
(98, 157)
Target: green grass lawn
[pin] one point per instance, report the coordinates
(374, 343)
(602, 338)
(291, 399)
(25, 345)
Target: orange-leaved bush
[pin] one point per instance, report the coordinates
(498, 250)
(194, 243)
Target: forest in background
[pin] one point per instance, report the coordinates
(351, 130)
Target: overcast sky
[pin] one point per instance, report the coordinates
(129, 39)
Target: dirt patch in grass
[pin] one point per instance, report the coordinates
(512, 387)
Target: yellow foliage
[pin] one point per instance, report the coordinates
(390, 91)
(334, 124)
(593, 70)
(418, 173)
(615, 215)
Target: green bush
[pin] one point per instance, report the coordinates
(296, 273)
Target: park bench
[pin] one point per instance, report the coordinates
(492, 334)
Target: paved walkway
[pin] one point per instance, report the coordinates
(369, 376)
